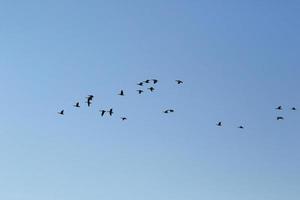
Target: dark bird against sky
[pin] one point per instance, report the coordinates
(121, 93)
(169, 111)
(155, 81)
(279, 108)
(280, 118)
(151, 89)
(140, 91)
(179, 82)
(102, 112)
(110, 112)
(77, 105)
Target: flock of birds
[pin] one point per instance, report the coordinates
(279, 108)
(110, 112)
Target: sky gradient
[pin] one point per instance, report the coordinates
(239, 60)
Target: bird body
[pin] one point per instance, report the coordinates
(123, 118)
(121, 93)
(155, 81)
(280, 118)
(219, 124)
(169, 111)
(140, 91)
(279, 108)
(102, 112)
(89, 100)
(151, 89)
(179, 82)
(61, 112)
(294, 108)
(77, 105)
(110, 112)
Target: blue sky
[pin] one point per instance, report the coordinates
(239, 60)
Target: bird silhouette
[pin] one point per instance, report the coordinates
(140, 91)
(121, 93)
(141, 84)
(151, 89)
(168, 111)
(279, 108)
(219, 124)
(147, 81)
(77, 105)
(179, 82)
(102, 112)
(241, 127)
(280, 118)
(294, 108)
(155, 81)
(123, 118)
(61, 112)
(110, 112)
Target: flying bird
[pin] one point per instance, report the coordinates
(141, 84)
(123, 118)
(219, 124)
(294, 108)
(77, 105)
(61, 112)
(140, 91)
(179, 82)
(147, 81)
(168, 111)
(279, 108)
(102, 112)
(280, 118)
(121, 93)
(110, 112)
(151, 89)
(155, 81)
(241, 127)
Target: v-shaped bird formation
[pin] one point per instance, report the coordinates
(150, 88)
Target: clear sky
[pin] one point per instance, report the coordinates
(239, 60)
